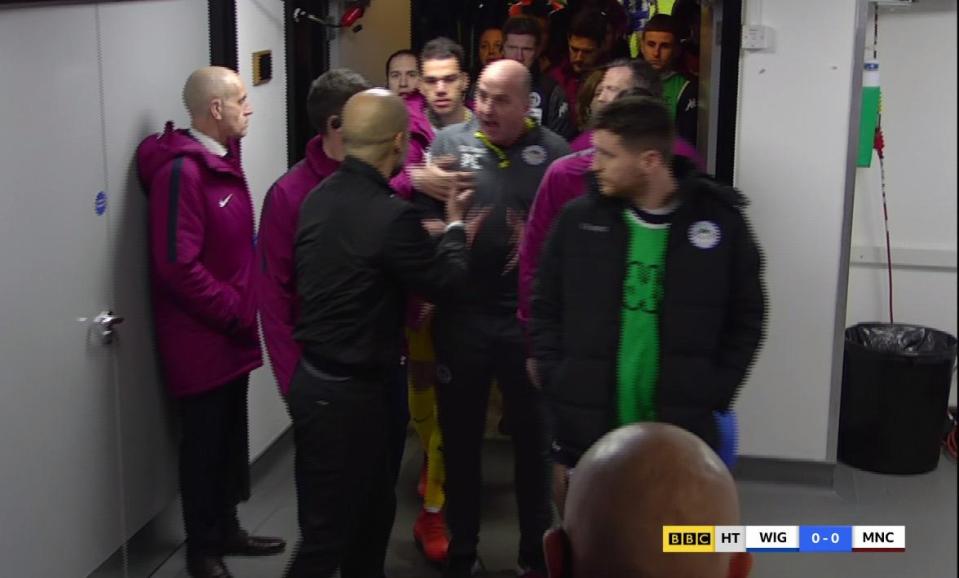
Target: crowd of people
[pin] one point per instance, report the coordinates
(546, 227)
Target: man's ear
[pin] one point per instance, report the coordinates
(216, 108)
(740, 565)
(334, 123)
(650, 158)
(556, 550)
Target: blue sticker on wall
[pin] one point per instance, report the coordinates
(100, 203)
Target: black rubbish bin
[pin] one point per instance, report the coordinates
(895, 391)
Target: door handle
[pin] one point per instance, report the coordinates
(105, 322)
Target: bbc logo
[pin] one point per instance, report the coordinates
(690, 539)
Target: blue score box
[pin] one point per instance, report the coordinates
(825, 538)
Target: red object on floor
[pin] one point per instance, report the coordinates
(429, 531)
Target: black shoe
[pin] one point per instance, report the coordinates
(243, 544)
(462, 567)
(207, 567)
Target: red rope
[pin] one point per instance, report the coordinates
(879, 143)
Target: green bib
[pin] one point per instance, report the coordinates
(673, 86)
(638, 361)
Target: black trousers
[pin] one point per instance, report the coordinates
(399, 418)
(214, 464)
(471, 350)
(343, 471)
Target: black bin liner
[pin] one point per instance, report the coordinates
(895, 390)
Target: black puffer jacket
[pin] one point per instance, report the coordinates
(711, 319)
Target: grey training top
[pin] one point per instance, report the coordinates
(506, 184)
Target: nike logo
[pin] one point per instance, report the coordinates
(223, 202)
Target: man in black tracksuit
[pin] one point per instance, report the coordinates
(476, 334)
(699, 292)
(523, 42)
(358, 250)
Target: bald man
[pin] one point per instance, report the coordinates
(630, 484)
(359, 250)
(201, 264)
(475, 332)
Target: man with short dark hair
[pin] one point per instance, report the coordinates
(540, 11)
(649, 302)
(281, 209)
(630, 484)
(587, 35)
(443, 82)
(278, 301)
(547, 101)
(659, 46)
(566, 178)
(475, 332)
(403, 73)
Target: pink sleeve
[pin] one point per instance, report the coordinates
(177, 229)
(415, 155)
(684, 148)
(276, 285)
(544, 211)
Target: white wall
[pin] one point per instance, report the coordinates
(83, 84)
(142, 85)
(917, 53)
(791, 160)
(386, 29)
(260, 27)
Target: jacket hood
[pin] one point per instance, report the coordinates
(157, 150)
(420, 128)
(692, 181)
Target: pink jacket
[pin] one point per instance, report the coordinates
(201, 262)
(421, 137)
(276, 274)
(564, 181)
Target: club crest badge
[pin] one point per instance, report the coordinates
(534, 155)
(704, 234)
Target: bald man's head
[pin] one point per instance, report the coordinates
(633, 482)
(375, 128)
(217, 102)
(502, 101)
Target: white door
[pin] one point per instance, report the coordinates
(60, 490)
(143, 74)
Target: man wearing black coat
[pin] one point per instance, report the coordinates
(649, 302)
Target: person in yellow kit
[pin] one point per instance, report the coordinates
(429, 531)
(443, 82)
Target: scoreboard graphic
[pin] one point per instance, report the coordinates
(819, 539)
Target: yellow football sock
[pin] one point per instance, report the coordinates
(422, 411)
(434, 499)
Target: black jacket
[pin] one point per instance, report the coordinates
(711, 317)
(358, 250)
(549, 107)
